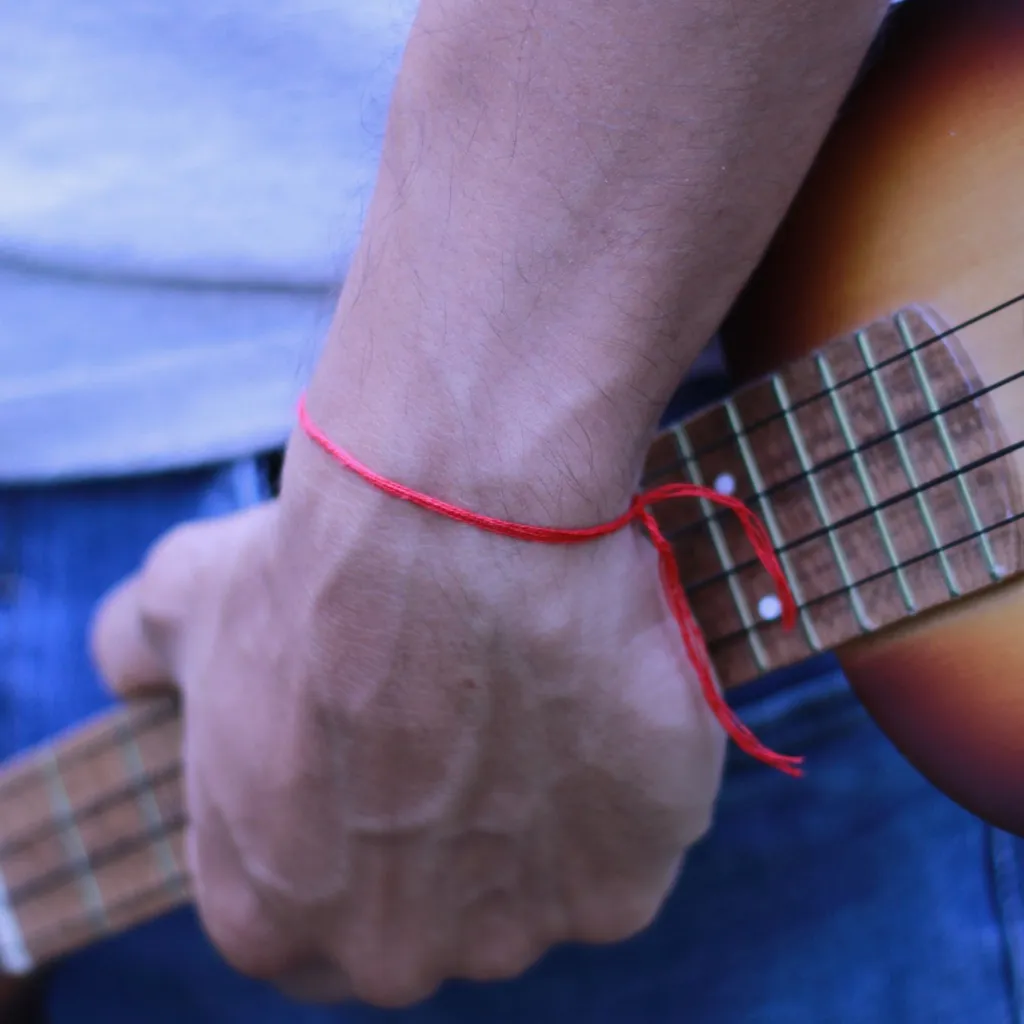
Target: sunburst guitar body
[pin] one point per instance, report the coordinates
(916, 204)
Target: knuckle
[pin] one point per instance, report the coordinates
(603, 921)
(390, 981)
(240, 929)
(316, 983)
(499, 959)
(697, 823)
(167, 583)
(166, 573)
(183, 541)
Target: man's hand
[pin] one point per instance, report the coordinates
(412, 751)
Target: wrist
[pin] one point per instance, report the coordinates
(542, 445)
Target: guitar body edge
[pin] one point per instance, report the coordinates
(915, 200)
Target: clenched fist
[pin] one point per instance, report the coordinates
(414, 751)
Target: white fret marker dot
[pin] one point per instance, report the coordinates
(725, 483)
(769, 607)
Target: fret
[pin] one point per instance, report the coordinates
(863, 438)
(64, 936)
(76, 852)
(160, 752)
(133, 856)
(770, 521)
(15, 958)
(864, 345)
(1017, 518)
(686, 454)
(112, 826)
(149, 809)
(36, 869)
(821, 506)
(995, 570)
(96, 827)
(864, 480)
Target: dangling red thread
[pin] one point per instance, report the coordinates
(639, 510)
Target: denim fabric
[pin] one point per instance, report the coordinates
(858, 894)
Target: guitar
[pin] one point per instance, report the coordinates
(887, 463)
(908, 228)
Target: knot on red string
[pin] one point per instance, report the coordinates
(638, 511)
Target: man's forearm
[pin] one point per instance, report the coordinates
(570, 196)
(460, 751)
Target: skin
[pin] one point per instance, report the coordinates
(415, 751)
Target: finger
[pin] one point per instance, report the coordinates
(122, 648)
(237, 920)
(138, 626)
(316, 983)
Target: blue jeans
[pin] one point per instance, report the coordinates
(858, 894)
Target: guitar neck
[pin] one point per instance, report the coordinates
(98, 844)
(885, 473)
(880, 465)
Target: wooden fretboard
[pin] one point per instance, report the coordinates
(882, 472)
(879, 465)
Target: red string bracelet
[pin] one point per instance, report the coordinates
(639, 511)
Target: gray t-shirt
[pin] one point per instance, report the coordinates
(181, 186)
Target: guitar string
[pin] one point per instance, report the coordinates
(68, 871)
(738, 436)
(823, 531)
(112, 797)
(138, 716)
(51, 940)
(865, 374)
(46, 882)
(105, 800)
(676, 466)
(108, 739)
(97, 858)
(846, 590)
(175, 887)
